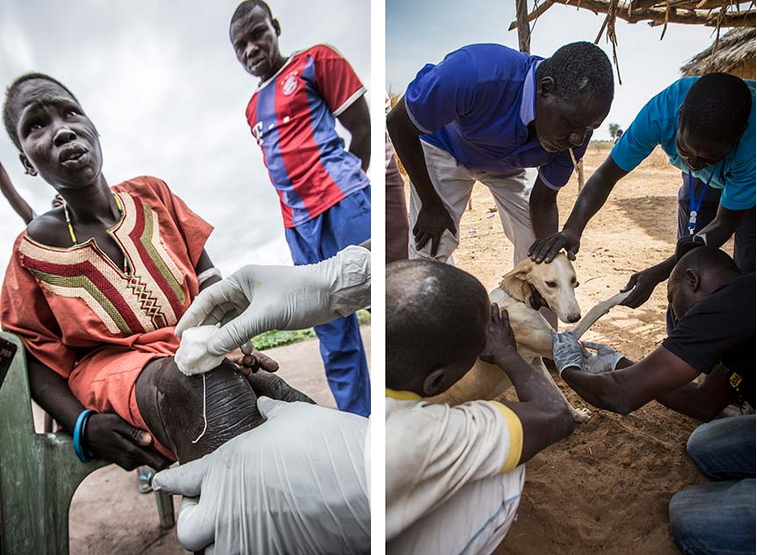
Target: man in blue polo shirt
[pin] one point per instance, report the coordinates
(706, 125)
(486, 113)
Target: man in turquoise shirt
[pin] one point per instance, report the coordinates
(706, 125)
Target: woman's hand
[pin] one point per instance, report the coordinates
(112, 438)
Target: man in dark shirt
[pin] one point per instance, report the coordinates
(714, 306)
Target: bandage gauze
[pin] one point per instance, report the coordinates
(192, 357)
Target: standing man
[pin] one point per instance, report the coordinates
(706, 126)
(715, 335)
(324, 192)
(486, 113)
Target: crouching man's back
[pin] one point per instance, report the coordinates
(454, 475)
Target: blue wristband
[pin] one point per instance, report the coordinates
(78, 436)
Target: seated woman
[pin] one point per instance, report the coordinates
(95, 287)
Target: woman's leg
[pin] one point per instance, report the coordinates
(172, 406)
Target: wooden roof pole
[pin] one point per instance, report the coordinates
(524, 32)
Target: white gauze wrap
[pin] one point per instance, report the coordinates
(192, 357)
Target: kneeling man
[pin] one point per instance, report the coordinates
(454, 474)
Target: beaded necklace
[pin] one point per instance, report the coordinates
(73, 235)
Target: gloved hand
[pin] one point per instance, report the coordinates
(566, 351)
(604, 359)
(256, 299)
(295, 484)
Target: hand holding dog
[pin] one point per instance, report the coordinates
(603, 359)
(500, 339)
(643, 284)
(545, 249)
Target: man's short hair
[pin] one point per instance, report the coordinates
(704, 259)
(580, 70)
(10, 112)
(247, 6)
(717, 107)
(434, 314)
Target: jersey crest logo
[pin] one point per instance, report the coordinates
(290, 84)
(257, 132)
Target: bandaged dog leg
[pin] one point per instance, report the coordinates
(597, 312)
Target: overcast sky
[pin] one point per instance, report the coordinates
(424, 32)
(161, 82)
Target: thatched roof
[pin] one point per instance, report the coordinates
(713, 13)
(734, 48)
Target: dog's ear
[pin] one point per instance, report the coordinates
(515, 281)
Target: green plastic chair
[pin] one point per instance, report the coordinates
(39, 473)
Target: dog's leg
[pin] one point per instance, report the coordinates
(579, 415)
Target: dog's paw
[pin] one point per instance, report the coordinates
(580, 415)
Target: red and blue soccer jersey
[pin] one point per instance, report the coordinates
(292, 117)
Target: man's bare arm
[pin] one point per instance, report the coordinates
(357, 120)
(433, 217)
(719, 230)
(543, 208)
(541, 410)
(591, 198)
(701, 401)
(625, 390)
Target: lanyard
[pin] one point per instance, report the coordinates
(695, 204)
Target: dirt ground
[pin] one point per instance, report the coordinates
(606, 488)
(108, 515)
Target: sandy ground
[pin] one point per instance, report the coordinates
(606, 488)
(108, 515)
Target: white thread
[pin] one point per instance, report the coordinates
(204, 411)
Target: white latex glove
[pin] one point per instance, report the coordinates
(295, 484)
(256, 299)
(604, 359)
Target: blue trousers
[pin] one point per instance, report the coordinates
(744, 240)
(346, 223)
(719, 517)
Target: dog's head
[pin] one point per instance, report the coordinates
(554, 281)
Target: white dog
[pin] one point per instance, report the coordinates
(519, 293)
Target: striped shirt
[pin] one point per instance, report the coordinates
(292, 117)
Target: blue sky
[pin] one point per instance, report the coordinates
(423, 31)
(162, 84)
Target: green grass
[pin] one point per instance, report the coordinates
(276, 338)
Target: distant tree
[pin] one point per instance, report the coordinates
(613, 127)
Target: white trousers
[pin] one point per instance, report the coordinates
(453, 182)
(474, 520)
